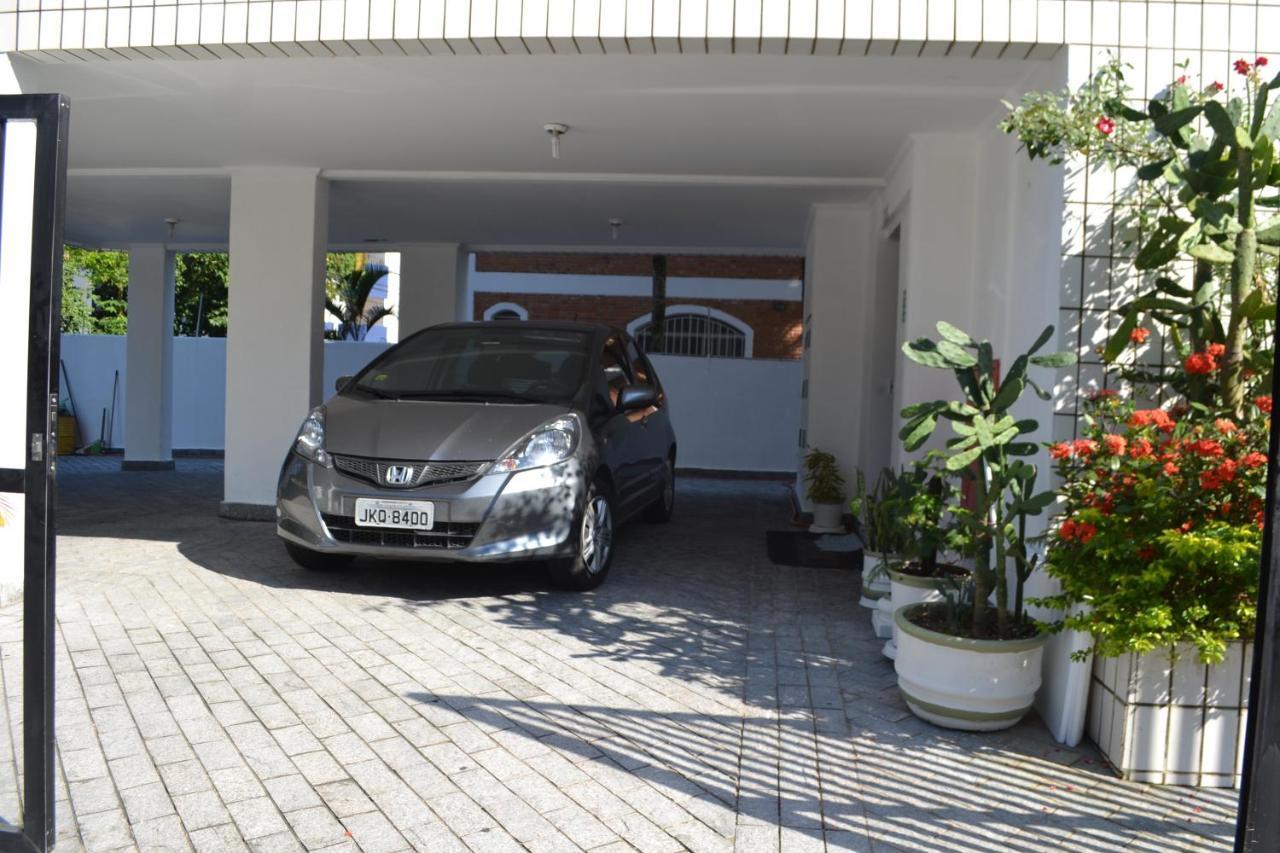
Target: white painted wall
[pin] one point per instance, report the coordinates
(710, 398)
(733, 414)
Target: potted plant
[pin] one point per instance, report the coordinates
(1160, 537)
(978, 667)
(825, 491)
(920, 575)
(876, 514)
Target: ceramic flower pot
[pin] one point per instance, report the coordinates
(827, 518)
(905, 589)
(875, 582)
(962, 683)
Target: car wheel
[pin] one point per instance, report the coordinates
(314, 560)
(593, 544)
(659, 511)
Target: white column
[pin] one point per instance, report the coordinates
(433, 286)
(148, 410)
(839, 283)
(275, 357)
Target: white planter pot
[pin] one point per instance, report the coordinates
(882, 618)
(903, 591)
(827, 518)
(1164, 717)
(959, 683)
(875, 583)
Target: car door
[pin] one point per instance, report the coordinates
(620, 435)
(654, 440)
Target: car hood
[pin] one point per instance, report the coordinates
(429, 429)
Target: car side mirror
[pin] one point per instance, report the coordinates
(342, 383)
(637, 397)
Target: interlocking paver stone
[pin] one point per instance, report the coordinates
(212, 695)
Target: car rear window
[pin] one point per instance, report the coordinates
(515, 364)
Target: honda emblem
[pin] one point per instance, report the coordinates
(399, 475)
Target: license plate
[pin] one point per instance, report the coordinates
(403, 515)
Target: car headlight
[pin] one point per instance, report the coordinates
(310, 440)
(550, 443)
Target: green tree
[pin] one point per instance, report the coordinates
(77, 315)
(200, 295)
(108, 276)
(349, 303)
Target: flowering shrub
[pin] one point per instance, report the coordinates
(1161, 528)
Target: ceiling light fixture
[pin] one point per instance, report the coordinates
(556, 130)
(615, 225)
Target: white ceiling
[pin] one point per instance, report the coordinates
(689, 150)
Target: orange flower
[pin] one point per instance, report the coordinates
(1254, 460)
(1158, 418)
(1140, 448)
(1170, 469)
(1115, 444)
(1217, 350)
(1139, 335)
(1225, 426)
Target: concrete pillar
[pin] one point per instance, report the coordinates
(275, 355)
(148, 410)
(433, 286)
(839, 285)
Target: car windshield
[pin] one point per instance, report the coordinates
(485, 363)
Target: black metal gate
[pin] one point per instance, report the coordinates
(33, 170)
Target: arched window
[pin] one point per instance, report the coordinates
(694, 330)
(506, 311)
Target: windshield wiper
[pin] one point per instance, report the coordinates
(484, 396)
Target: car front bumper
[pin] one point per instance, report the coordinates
(494, 517)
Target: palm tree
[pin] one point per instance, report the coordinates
(346, 298)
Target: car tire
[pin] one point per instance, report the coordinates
(593, 544)
(659, 512)
(314, 560)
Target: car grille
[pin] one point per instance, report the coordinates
(424, 473)
(445, 536)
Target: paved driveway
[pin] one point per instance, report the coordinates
(212, 695)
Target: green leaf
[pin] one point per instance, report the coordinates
(1010, 390)
(956, 336)
(1211, 252)
(1271, 124)
(1021, 448)
(963, 460)
(917, 432)
(1040, 392)
(1156, 109)
(916, 409)
(1219, 120)
(1057, 359)
(1044, 338)
(1151, 171)
(1160, 249)
(1270, 236)
(1120, 339)
(924, 351)
(1171, 123)
(1243, 139)
(983, 432)
(956, 355)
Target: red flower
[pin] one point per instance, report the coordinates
(1083, 447)
(1260, 61)
(1105, 126)
(1182, 81)
(1061, 450)
(1224, 426)
(1241, 66)
(1170, 469)
(1115, 444)
(1139, 336)
(1217, 350)
(1086, 531)
(1263, 403)
(1206, 447)
(1103, 394)
(1254, 460)
(1216, 86)
(1140, 449)
(1218, 477)
(1157, 418)
(1082, 531)
(1146, 553)
(1200, 363)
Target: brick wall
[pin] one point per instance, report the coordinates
(678, 266)
(776, 325)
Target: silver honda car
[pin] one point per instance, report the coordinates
(482, 442)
